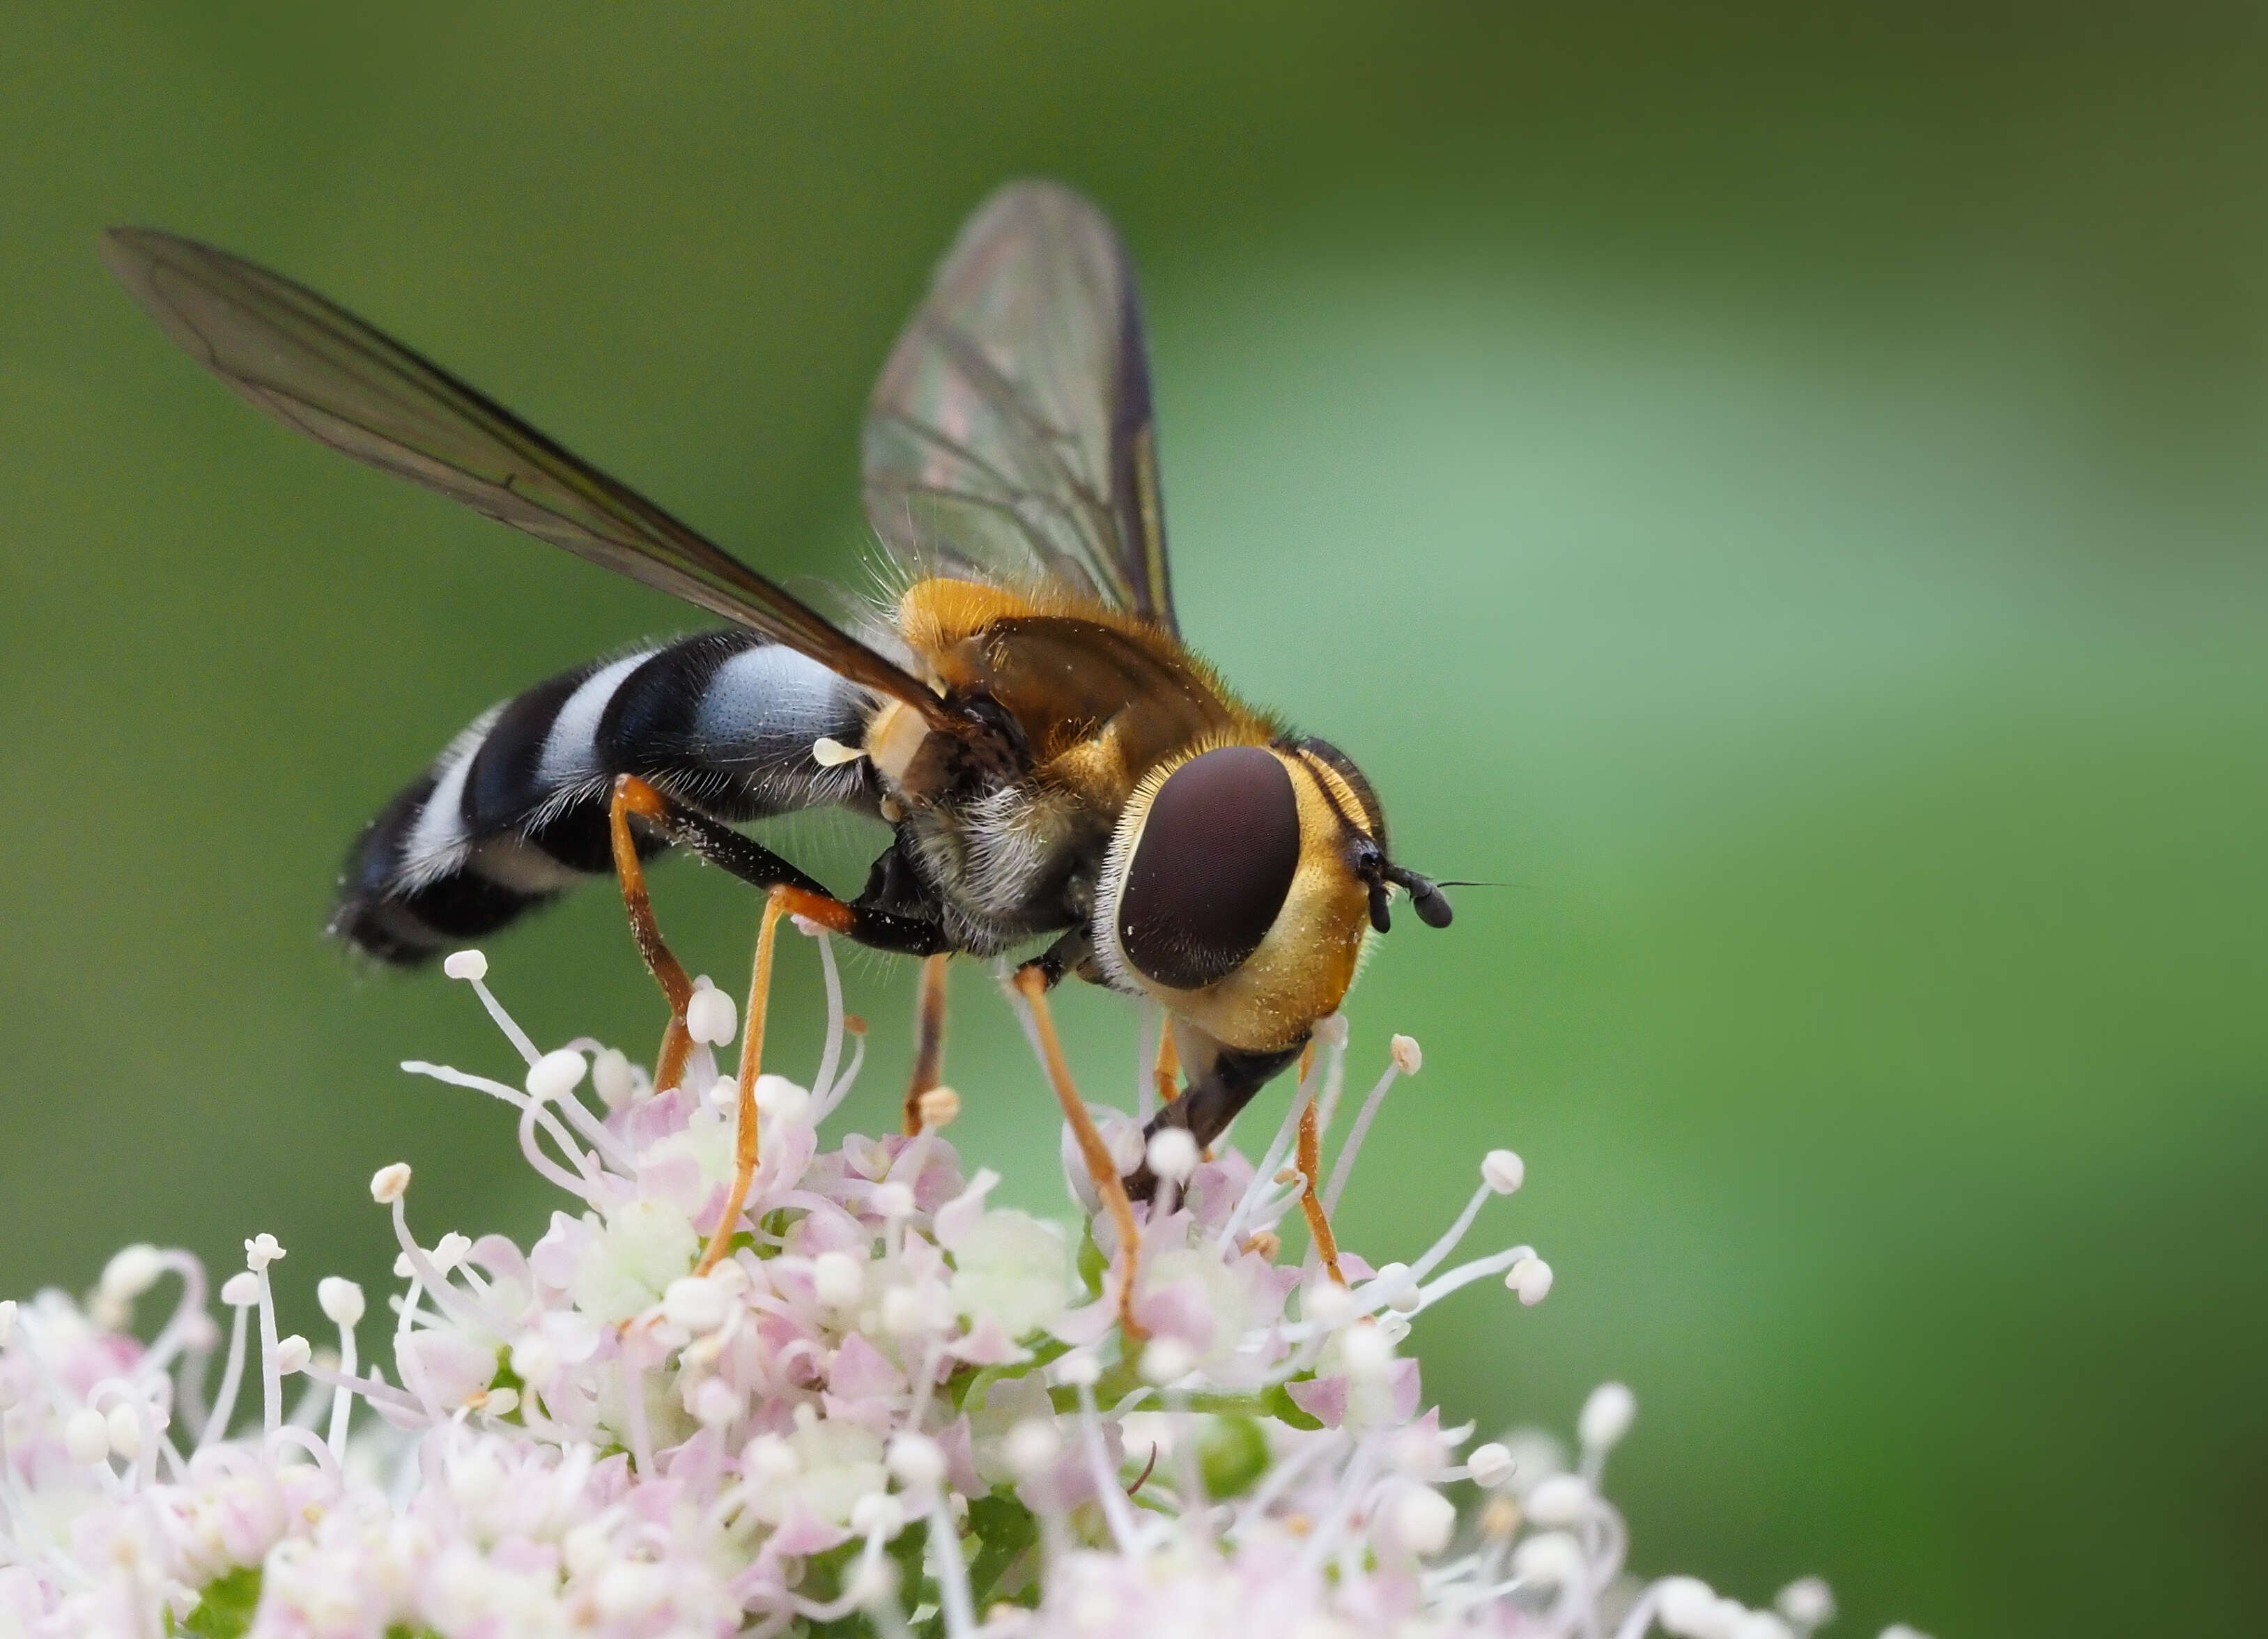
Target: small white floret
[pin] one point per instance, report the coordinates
(1606, 1417)
(1408, 1057)
(1173, 1153)
(1399, 1287)
(714, 1403)
(1491, 1464)
(341, 1300)
(449, 1251)
(472, 966)
(389, 1184)
(711, 1018)
(916, 1310)
(261, 1251)
(915, 1461)
(1808, 1602)
(534, 1359)
(1125, 1142)
(1685, 1605)
(86, 1435)
(1421, 1519)
(1551, 1557)
(1166, 1359)
(1563, 1500)
(1366, 1352)
(782, 1099)
(556, 1075)
(123, 1431)
(240, 1290)
(1031, 1448)
(1328, 1304)
(1530, 1279)
(838, 1279)
(695, 1303)
(292, 1354)
(939, 1107)
(1503, 1171)
(610, 1073)
(131, 1271)
(877, 1514)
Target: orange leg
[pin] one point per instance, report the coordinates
(1166, 1073)
(1032, 983)
(929, 1040)
(633, 795)
(1310, 1163)
(752, 1058)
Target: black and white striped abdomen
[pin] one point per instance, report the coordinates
(514, 811)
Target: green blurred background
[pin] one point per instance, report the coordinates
(1787, 487)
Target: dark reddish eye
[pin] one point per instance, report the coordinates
(1210, 871)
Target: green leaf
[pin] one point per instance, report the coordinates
(1093, 1265)
(224, 1609)
(1006, 1528)
(1277, 1403)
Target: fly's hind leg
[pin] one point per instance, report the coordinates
(797, 894)
(632, 795)
(929, 1040)
(800, 893)
(1032, 982)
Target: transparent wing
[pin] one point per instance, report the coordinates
(319, 369)
(1012, 431)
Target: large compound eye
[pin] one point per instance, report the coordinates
(1215, 859)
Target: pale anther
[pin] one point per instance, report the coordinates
(938, 1107)
(389, 1184)
(261, 1251)
(471, 965)
(1173, 1154)
(556, 1075)
(341, 1300)
(711, 1018)
(86, 1435)
(1503, 1171)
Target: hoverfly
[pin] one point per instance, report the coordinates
(1051, 760)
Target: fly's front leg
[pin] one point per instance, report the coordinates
(1032, 982)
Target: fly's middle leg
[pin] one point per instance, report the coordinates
(1031, 982)
(929, 1043)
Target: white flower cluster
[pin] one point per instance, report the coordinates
(894, 1409)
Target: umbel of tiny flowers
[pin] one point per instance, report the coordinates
(894, 1407)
